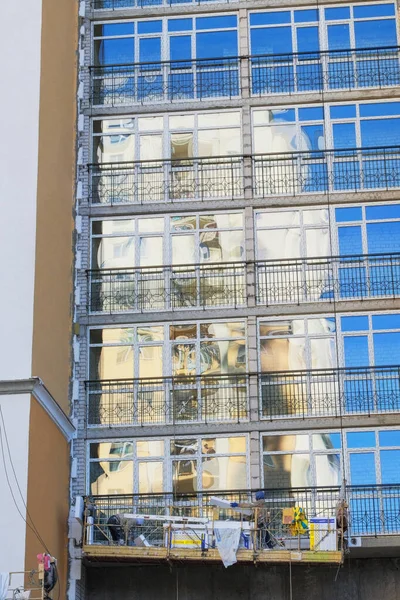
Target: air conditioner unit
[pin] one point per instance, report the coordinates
(354, 542)
(75, 520)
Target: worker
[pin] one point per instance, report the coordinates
(122, 529)
(263, 518)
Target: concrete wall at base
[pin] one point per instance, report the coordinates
(47, 495)
(357, 580)
(15, 410)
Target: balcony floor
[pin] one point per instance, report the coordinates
(99, 553)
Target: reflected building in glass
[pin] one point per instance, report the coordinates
(239, 256)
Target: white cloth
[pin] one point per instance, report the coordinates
(4, 583)
(227, 542)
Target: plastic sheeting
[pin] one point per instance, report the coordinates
(227, 542)
(4, 582)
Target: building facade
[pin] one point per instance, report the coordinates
(237, 285)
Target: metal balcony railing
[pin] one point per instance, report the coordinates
(170, 81)
(213, 285)
(301, 280)
(373, 511)
(329, 392)
(167, 288)
(222, 177)
(326, 171)
(325, 70)
(221, 398)
(168, 400)
(146, 182)
(202, 79)
(169, 518)
(123, 4)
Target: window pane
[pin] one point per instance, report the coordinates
(183, 250)
(111, 477)
(344, 135)
(180, 47)
(326, 440)
(388, 211)
(362, 469)
(216, 44)
(219, 142)
(287, 470)
(307, 38)
(274, 443)
(338, 37)
(350, 241)
(150, 448)
(375, 34)
(383, 237)
(150, 50)
(386, 321)
(386, 348)
(304, 16)
(337, 14)
(361, 439)
(179, 25)
(150, 251)
(354, 323)
(380, 132)
(271, 40)
(270, 18)
(282, 354)
(181, 146)
(219, 22)
(150, 147)
(389, 438)
(327, 469)
(112, 362)
(114, 52)
(149, 26)
(150, 361)
(373, 10)
(151, 477)
(356, 351)
(348, 214)
(224, 473)
(184, 476)
(390, 466)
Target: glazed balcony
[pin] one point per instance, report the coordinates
(168, 400)
(205, 79)
(183, 527)
(218, 285)
(222, 177)
(149, 182)
(168, 526)
(301, 394)
(328, 279)
(167, 288)
(329, 392)
(165, 82)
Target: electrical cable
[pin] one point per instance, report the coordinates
(32, 527)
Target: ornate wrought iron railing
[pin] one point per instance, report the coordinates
(167, 288)
(300, 280)
(372, 511)
(146, 182)
(326, 171)
(115, 520)
(329, 392)
(324, 71)
(170, 81)
(168, 400)
(202, 79)
(216, 285)
(123, 4)
(222, 177)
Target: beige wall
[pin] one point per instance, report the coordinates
(48, 492)
(55, 196)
